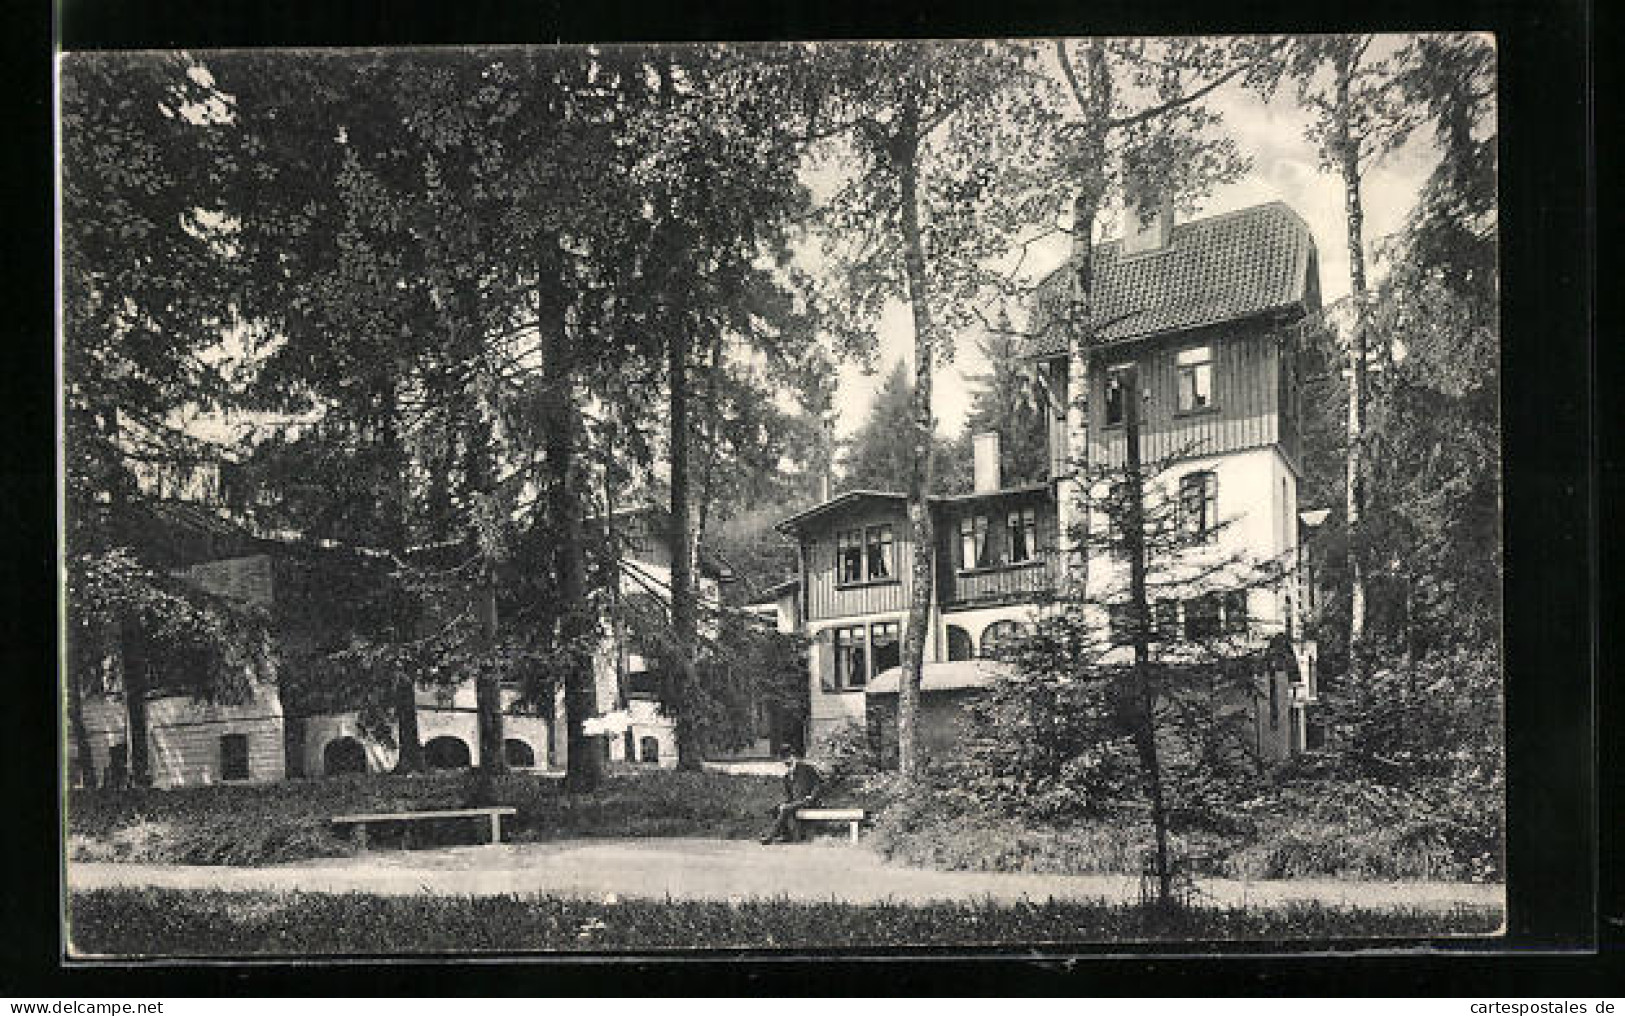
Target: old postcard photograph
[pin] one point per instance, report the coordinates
(789, 497)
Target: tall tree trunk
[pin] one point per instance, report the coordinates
(410, 739)
(83, 772)
(138, 753)
(487, 678)
(1140, 617)
(683, 614)
(1093, 95)
(409, 758)
(910, 761)
(562, 421)
(1072, 492)
(1348, 158)
(488, 683)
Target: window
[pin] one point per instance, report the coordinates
(1116, 378)
(851, 660)
(650, 750)
(234, 757)
(1120, 622)
(1199, 505)
(884, 648)
(864, 555)
(1023, 525)
(998, 635)
(849, 555)
(1235, 612)
(1195, 379)
(1165, 620)
(1202, 617)
(960, 646)
(974, 551)
(1275, 702)
(878, 544)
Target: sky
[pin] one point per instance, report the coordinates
(1284, 168)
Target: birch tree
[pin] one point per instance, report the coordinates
(1349, 83)
(935, 141)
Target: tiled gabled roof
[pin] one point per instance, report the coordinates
(1225, 268)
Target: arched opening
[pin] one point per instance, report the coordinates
(649, 750)
(1000, 633)
(960, 647)
(518, 754)
(446, 752)
(344, 756)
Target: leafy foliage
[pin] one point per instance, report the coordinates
(175, 637)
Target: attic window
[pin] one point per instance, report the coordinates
(1195, 366)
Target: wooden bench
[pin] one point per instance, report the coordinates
(853, 817)
(360, 822)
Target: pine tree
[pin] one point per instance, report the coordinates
(1006, 401)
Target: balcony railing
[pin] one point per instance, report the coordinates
(1001, 583)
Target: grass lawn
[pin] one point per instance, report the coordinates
(266, 823)
(184, 923)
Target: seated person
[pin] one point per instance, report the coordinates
(802, 785)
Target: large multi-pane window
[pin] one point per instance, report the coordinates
(849, 554)
(1195, 378)
(877, 541)
(974, 551)
(851, 658)
(997, 634)
(1023, 525)
(864, 554)
(1199, 504)
(884, 647)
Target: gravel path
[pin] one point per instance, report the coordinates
(725, 870)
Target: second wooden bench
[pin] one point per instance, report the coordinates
(360, 822)
(853, 817)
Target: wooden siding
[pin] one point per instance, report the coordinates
(827, 598)
(1246, 394)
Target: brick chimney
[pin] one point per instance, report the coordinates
(1148, 219)
(985, 463)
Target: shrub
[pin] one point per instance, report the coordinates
(268, 823)
(845, 754)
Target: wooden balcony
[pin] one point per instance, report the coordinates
(1002, 583)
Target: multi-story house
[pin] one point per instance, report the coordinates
(1205, 312)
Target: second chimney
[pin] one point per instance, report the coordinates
(1147, 222)
(985, 476)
